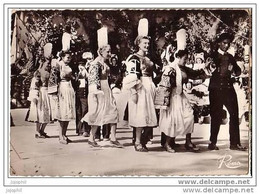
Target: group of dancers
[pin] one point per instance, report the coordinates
(53, 97)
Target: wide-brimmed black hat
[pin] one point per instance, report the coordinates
(225, 36)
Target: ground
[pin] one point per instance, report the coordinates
(47, 157)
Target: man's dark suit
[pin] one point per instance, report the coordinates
(222, 92)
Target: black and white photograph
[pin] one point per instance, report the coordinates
(129, 91)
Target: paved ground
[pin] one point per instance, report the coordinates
(37, 157)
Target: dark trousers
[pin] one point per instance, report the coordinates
(81, 110)
(219, 97)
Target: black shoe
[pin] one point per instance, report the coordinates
(45, 135)
(145, 148)
(39, 136)
(63, 141)
(68, 140)
(140, 148)
(168, 148)
(117, 144)
(93, 144)
(191, 147)
(213, 147)
(238, 147)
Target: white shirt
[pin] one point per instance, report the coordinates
(221, 52)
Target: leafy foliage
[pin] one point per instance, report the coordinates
(203, 26)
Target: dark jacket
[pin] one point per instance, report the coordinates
(221, 77)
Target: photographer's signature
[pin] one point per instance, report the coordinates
(227, 161)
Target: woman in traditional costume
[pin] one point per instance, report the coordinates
(142, 115)
(178, 118)
(102, 104)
